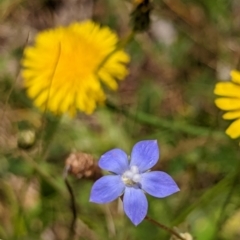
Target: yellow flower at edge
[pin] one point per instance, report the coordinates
(64, 71)
(230, 102)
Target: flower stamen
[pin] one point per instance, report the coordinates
(131, 177)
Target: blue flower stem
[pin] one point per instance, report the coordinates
(160, 225)
(73, 206)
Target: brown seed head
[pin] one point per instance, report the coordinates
(83, 165)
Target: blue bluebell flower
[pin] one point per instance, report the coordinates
(132, 179)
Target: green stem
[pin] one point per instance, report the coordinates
(13, 85)
(46, 133)
(174, 126)
(160, 225)
(41, 172)
(221, 218)
(50, 131)
(13, 208)
(206, 197)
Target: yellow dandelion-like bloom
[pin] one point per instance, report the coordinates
(64, 71)
(230, 102)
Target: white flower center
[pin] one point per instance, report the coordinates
(131, 177)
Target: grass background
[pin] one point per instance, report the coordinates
(168, 96)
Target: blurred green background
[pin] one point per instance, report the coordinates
(168, 96)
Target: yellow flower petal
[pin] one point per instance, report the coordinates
(42, 100)
(228, 103)
(107, 79)
(231, 115)
(59, 71)
(227, 89)
(235, 76)
(234, 129)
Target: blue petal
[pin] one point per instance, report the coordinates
(115, 161)
(158, 184)
(107, 189)
(145, 154)
(135, 204)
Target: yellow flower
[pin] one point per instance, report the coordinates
(230, 102)
(64, 70)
